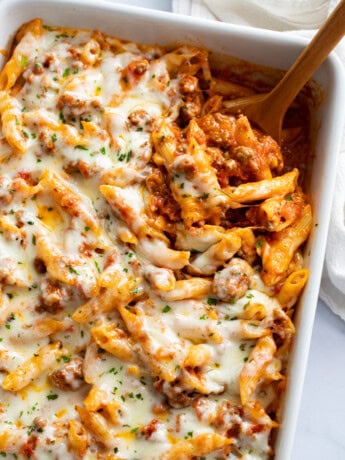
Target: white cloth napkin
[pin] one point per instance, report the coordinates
(303, 17)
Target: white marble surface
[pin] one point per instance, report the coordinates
(320, 433)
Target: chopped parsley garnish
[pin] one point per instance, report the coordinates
(66, 72)
(53, 396)
(259, 243)
(128, 156)
(63, 35)
(72, 270)
(166, 309)
(23, 61)
(81, 147)
(31, 429)
(212, 301)
(11, 317)
(124, 156)
(97, 266)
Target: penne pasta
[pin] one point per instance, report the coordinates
(151, 252)
(292, 287)
(277, 253)
(33, 368)
(193, 288)
(264, 189)
(254, 368)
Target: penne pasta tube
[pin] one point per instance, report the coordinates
(198, 239)
(201, 444)
(195, 185)
(65, 194)
(192, 288)
(161, 279)
(97, 425)
(158, 359)
(114, 340)
(158, 253)
(262, 190)
(108, 299)
(39, 329)
(34, 367)
(77, 437)
(11, 120)
(275, 214)
(67, 133)
(72, 270)
(292, 287)
(255, 311)
(97, 401)
(209, 261)
(197, 356)
(134, 216)
(278, 250)
(260, 357)
(27, 39)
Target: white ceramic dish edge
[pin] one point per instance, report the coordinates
(261, 46)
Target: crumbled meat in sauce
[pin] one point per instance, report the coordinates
(69, 376)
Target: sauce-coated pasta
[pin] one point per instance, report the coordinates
(149, 256)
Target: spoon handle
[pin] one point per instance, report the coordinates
(310, 59)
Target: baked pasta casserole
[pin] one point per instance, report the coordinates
(150, 255)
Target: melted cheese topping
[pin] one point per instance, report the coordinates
(67, 242)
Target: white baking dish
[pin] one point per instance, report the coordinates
(259, 46)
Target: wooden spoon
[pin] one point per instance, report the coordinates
(268, 110)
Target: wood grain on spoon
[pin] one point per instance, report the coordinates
(268, 110)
